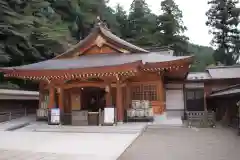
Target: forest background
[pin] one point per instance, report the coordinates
(37, 30)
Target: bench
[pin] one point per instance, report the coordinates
(201, 118)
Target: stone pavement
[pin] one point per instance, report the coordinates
(28, 155)
(25, 143)
(184, 144)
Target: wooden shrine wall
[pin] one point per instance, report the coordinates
(75, 95)
(152, 91)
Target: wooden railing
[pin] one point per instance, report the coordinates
(13, 114)
(201, 119)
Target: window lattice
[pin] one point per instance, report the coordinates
(144, 92)
(194, 94)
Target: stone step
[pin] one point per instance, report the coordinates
(164, 120)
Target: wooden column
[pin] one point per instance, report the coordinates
(41, 98)
(162, 96)
(119, 103)
(51, 102)
(41, 94)
(61, 99)
(108, 96)
(128, 96)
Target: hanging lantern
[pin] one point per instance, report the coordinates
(58, 90)
(107, 89)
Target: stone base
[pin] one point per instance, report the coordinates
(159, 118)
(120, 122)
(165, 120)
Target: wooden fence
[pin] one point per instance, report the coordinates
(13, 114)
(201, 119)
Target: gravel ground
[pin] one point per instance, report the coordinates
(185, 144)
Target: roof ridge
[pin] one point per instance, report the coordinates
(227, 88)
(107, 33)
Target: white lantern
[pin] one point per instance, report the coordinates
(107, 89)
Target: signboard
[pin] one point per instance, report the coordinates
(109, 115)
(55, 116)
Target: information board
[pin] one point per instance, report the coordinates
(55, 116)
(109, 114)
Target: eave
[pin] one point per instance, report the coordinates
(121, 70)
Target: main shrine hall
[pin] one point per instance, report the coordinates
(102, 71)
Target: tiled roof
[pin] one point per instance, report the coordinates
(227, 91)
(115, 38)
(226, 72)
(102, 30)
(99, 60)
(198, 76)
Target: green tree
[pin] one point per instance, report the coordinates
(141, 24)
(223, 20)
(122, 21)
(170, 28)
(81, 15)
(30, 31)
(203, 57)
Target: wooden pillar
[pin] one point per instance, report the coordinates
(119, 104)
(128, 96)
(41, 95)
(61, 99)
(205, 102)
(108, 96)
(51, 102)
(67, 101)
(41, 98)
(162, 95)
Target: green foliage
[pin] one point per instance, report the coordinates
(202, 55)
(122, 21)
(28, 28)
(142, 24)
(223, 19)
(35, 30)
(170, 28)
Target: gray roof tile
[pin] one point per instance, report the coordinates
(224, 72)
(98, 60)
(198, 76)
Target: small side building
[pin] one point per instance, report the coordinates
(216, 89)
(18, 102)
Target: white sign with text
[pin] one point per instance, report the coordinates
(109, 114)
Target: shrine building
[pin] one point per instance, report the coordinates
(104, 70)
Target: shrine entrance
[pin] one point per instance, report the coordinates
(93, 99)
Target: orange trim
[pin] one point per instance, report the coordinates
(87, 84)
(113, 47)
(83, 50)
